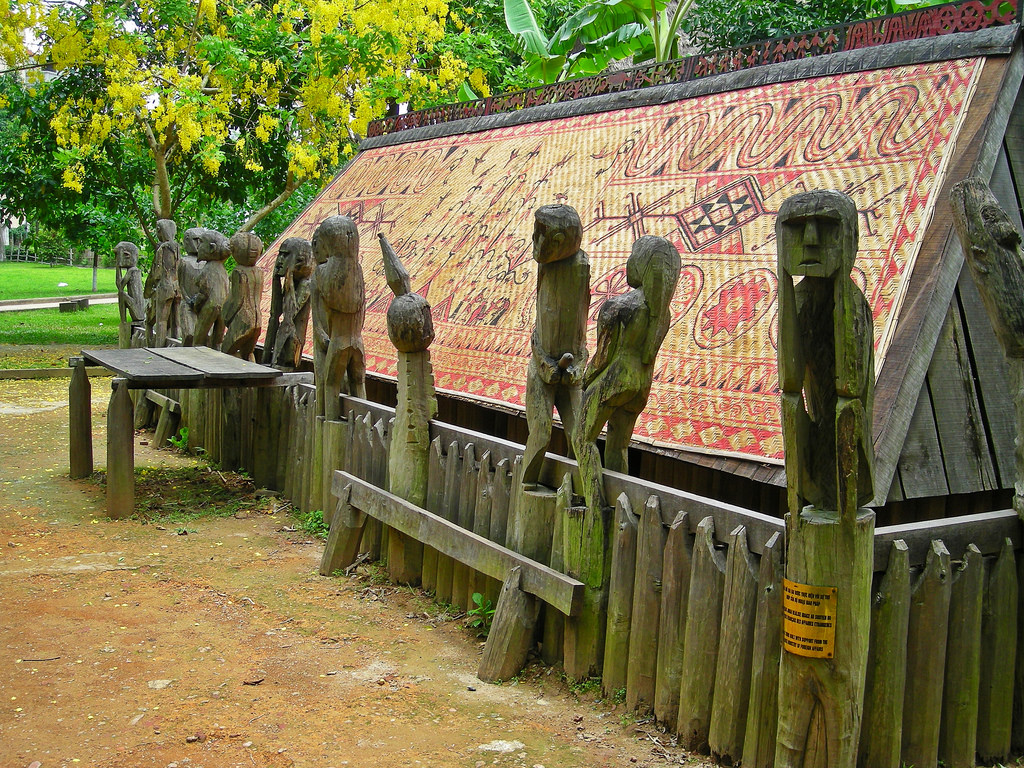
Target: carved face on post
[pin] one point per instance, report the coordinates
(126, 255)
(296, 255)
(818, 234)
(213, 246)
(191, 239)
(557, 233)
(336, 236)
(166, 230)
(246, 248)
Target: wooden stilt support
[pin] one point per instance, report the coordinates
(620, 598)
(80, 421)
(120, 452)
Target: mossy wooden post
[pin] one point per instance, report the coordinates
(735, 649)
(700, 646)
(450, 511)
(465, 507)
(620, 598)
(675, 595)
(335, 440)
(643, 639)
(992, 249)
(926, 660)
(80, 420)
(501, 493)
(511, 632)
(346, 531)
(959, 729)
(829, 471)
(882, 727)
(434, 503)
(584, 542)
(411, 330)
(231, 429)
(999, 643)
(120, 452)
(763, 711)
(315, 492)
(478, 582)
(553, 642)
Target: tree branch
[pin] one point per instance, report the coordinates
(289, 189)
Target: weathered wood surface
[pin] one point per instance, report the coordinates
(481, 525)
(434, 503)
(643, 640)
(926, 660)
(988, 531)
(620, 598)
(511, 632)
(168, 424)
(675, 595)
(999, 643)
(959, 728)
(882, 727)
(553, 641)
(534, 522)
(467, 500)
(80, 423)
(1017, 733)
(450, 512)
(735, 652)
(556, 589)
(120, 452)
(144, 367)
(345, 533)
(585, 552)
(700, 648)
(763, 710)
(216, 365)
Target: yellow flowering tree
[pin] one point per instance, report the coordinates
(246, 99)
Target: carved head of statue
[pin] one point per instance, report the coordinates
(213, 246)
(654, 265)
(557, 233)
(126, 255)
(166, 230)
(817, 234)
(295, 254)
(338, 237)
(191, 239)
(246, 248)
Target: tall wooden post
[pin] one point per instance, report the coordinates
(80, 420)
(829, 470)
(120, 452)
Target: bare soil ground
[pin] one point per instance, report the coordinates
(180, 643)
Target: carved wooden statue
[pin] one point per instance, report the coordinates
(558, 344)
(411, 330)
(213, 287)
(630, 330)
(188, 281)
(162, 288)
(241, 312)
(992, 247)
(339, 306)
(130, 302)
(281, 266)
(295, 259)
(826, 373)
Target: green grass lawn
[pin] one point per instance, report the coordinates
(19, 280)
(93, 327)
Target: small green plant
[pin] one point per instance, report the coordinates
(480, 615)
(582, 686)
(313, 523)
(180, 441)
(619, 696)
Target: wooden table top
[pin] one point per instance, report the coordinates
(180, 367)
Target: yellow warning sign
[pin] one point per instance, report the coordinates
(809, 619)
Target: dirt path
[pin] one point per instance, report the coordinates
(214, 643)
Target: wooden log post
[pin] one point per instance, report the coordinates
(450, 512)
(512, 628)
(620, 598)
(1017, 732)
(501, 492)
(214, 424)
(231, 429)
(144, 408)
(481, 525)
(80, 421)
(315, 492)
(168, 423)
(534, 523)
(882, 728)
(335, 439)
(197, 419)
(346, 531)
(466, 503)
(434, 503)
(959, 729)
(286, 442)
(643, 640)
(675, 595)
(926, 660)
(264, 440)
(120, 452)
(735, 649)
(763, 711)
(999, 644)
(553, 641)
(584, 541)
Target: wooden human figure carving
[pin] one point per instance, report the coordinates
(826, 373)
(162, 288)
(130, 302)
(992, 247)
(188, 281)
(339, 306)
(295, 288)
(241, 312)
(411, 330)
(213, 287)
(554, 378)
(281, 266)
(617, 383)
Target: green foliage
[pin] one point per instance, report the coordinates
(25, 280)
(49, 245)
(183, 494)
(582, 687)
(313, 523)
(480, 615)
(93, 327)
(180, 440)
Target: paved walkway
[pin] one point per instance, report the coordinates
(19, 305)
